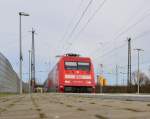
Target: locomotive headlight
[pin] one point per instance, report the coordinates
(89, 82)
(61, 86)
(67, 81)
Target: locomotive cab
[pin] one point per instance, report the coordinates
(73, 74)
(78, 74)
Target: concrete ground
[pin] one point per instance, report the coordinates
(64, 106)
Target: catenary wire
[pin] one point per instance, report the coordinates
(78, 22)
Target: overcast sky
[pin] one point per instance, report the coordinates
(103, 38)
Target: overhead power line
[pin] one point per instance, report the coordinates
(91, 18)
(131, 26)
(111, 51)
(36, 72)
(82, 15)
(78, 22)
(71, 21)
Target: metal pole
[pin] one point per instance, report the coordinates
(138, 75)
(20, 53)
(116, 75)
(20, 48)
(123, 74)
(129, 63)
(123, 78)
(33, 61)
(101, 76)
(138, 72)
(29, 71)
(149, 71)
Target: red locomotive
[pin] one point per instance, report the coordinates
(73, 74)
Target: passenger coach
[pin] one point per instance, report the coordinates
(72, 73)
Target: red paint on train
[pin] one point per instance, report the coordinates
(72, 74)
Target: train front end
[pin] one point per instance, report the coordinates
(76, 75)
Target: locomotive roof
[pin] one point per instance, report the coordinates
(76, 58)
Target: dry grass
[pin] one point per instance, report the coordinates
(3, 110)
(81, 109)
(61, 103)
(100, 116)
(80, 101)
(133, 110)
(69, 105)
(92, 103)
(107, 105)
(128, 100)
(42, 115)
(12, 104)
(38, 109)
(6, 94)
(148, 104)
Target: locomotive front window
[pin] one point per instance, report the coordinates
(84, 66)
(77, 66)
(71, 65)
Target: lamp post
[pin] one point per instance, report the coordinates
(138, 73)
(20, 48)
(101, 73)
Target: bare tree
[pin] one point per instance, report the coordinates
(144, 79)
